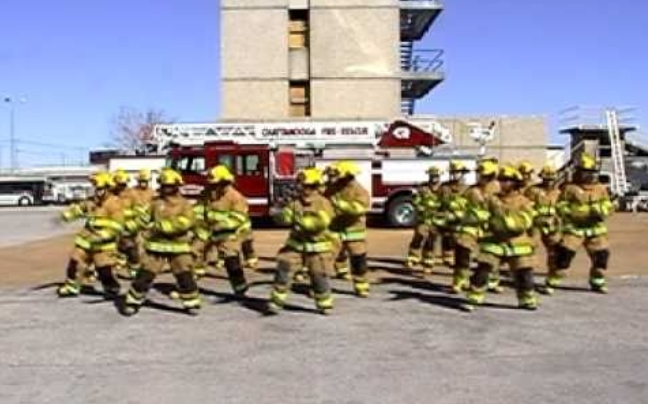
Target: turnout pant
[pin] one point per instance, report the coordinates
(598, 249)
(354, 252)
(153, 264)
(421, 247)
(81, 260)
(319, 265)
(521, 269)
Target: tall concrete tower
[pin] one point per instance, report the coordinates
(325, 59)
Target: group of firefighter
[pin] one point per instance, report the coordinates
(503, 218)
(498, 221)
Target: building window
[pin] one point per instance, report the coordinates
(298, 29)
(299, 98)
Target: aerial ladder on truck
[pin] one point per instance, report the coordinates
(308, 134)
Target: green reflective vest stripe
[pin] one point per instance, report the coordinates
(471, 231)
(227, 219)
(167, 247)
(246, 226)
(353, 208)
(353, 235)
(74, 212)
(546, 210)
(507, 249)
(131, 227)
(105, 234)
(129, 213)
(217, 215)
(141, 210)
(222, 235)
(309, 247)
(82, 243)
(587, 232)
(202, 233)
(87, 245)
(182, 223)
(103, 223)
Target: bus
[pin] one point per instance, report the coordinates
(24, 191)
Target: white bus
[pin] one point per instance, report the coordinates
(24, 191)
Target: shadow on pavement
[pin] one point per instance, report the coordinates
(446, 302)
(420, 284)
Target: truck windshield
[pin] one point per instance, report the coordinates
(188, 164)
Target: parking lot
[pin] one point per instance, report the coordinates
(409, 342)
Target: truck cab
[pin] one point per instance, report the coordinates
(264, 175)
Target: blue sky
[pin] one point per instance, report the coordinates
(78, 61)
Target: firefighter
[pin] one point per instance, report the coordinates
(426, 201)
(167, 240)
(96, 244)
(250, 258)
(452, 205)
(526, 170)
(309, 243)
(474, 218)
(200, 237)
(351, 202)
(545, 199)
(128, 253)
(510, 218)
(226, 217)
(584, 207)
(141, 197)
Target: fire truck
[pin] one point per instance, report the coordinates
(266, 157)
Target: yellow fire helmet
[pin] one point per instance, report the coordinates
(548, 172)
(311, 176)
(144, 175)
(434, 171)
(121, 177)
(526, 168)
(509, 172)
(170, 177)
(346, 168)
(220, 174)
(458, 167)
(587, 162)
(487, 167)
(102, 180)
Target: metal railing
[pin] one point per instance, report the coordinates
(426, 60)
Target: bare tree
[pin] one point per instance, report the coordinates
(132, 129)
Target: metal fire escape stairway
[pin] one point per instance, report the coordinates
(406, 55)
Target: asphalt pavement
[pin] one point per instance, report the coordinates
(408, 343)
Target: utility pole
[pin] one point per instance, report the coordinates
(12, 137)
(13, 153)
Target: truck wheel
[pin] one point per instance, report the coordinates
(401, 212)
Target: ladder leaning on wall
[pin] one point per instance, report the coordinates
(619, 183)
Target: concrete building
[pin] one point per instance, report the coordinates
(325, 59)
(348, 60)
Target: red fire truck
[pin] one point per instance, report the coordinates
(266, 157)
